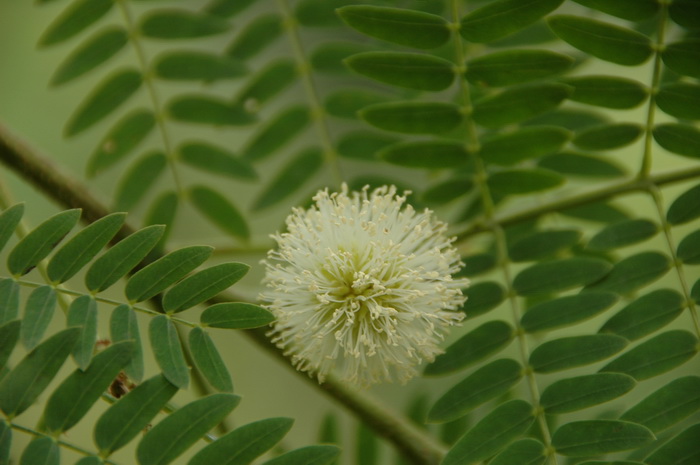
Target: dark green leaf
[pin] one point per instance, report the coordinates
(318, 13)
(367, 448)
(290, 178)
(78, 392)
(476, 345)
(78, 16)
(631, 273)
(594, 437)
(668, 405)
(90, 460)
(569, 352)
(127, 417)
(681, 139)
(180, 24)
(109, 95)
(243, 445)
(646, 314)
(685, 13)
(203, 109)
(208, 361)
(561, 274)
(309, 455)
(167, 351)
(9, 335)
(681, 450)
(486, 383)
(580, 392)
(157, 276)
(522, 452)
(610, 136)
(517, 104)
(121, 140)
(411, 70)
(20, 387)
(236, 315)
(83, 313)
(680, 99)
(542, 244)
(425, 154)
(477, 264)
(482, 297)
(683, 57)
(607, 91)
(523, 144)
(565, 311)
(572, 119)
(121, 258)
(9, 219)
(623, 233)
(603, 40)
(496, 430)
(599, 212)
(43, 450)
(161, 212)
(36, 245)
(197, 66)
(328, 57)
(123, 326)
(5, 442)
(38, 311)
(270, 81)
(577, 164)
(78, 251)
(283, 128)
(447, 191)
(347, 103)
(504, 17)
(656, 355)
(215, 160)
(227, 8)
(523, 181)
(9, 300)
(689, 249)
(139, 178)
(413, 117)
(220, 211)
(405, 27)
(610, 462)
(93, 52)
(633, 10)
(509, 67)
(203, 285)
(686, 207)
(181, 429)
(258, 34)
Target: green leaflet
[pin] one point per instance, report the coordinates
(167, 270)
(9, 335)
(405, 27)
(523, 181)
(318, 13)
(580, 392)
(236, 315)
(161, 212)
(476, 345)
(178, 431)
(685, 13)
(685, 208)
(197, 66)
(482, 297)
(581, 165)
(543, 244)
(180, 24)
(522, 452)
(208, 361)
(283, 128)
(36, 245)
(667, 405)
(309, 455)
(109, 95)
(681, 450)
(646, 314)
(83, 313)
(167, 351)
(290, 178)
(38, 311)
(41, 450)
(656, 355)
(93, 52)
(123, 326)
(503, 17)
(496, 430)
(328, 56)
(516, 104)
(257, 34)
(624, 233)
(127, 417)
(594, 437)
(79, 391)
(81, 248)
(90, 460)
(80, 15)
(413, 117)
(21, 386)
(631, 273)
(683, 57)
(477, 264)
(347, 103)
(220, 211)
(680, 99)
(679, 138)
(633, 10)
(484, 384)
(243, 445)
(367, 446)
(139, 178)
(121, 258)
(203, 285)
(525, 143)
(510, 67)
(411, 70)
(566, 311)
(607, 91)
(203, 109)
(9, 219)
(447, 191)
(9, 300)
(689, 249)
(603, 40)
(610, 136)
(560, 274)
(600, 212)
(227, 8)
(426, 154)
(570, 352)
(215, 160)
(5, 442)
(270, 81)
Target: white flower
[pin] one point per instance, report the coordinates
(362, 287)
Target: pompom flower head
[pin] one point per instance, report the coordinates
(361, 285)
